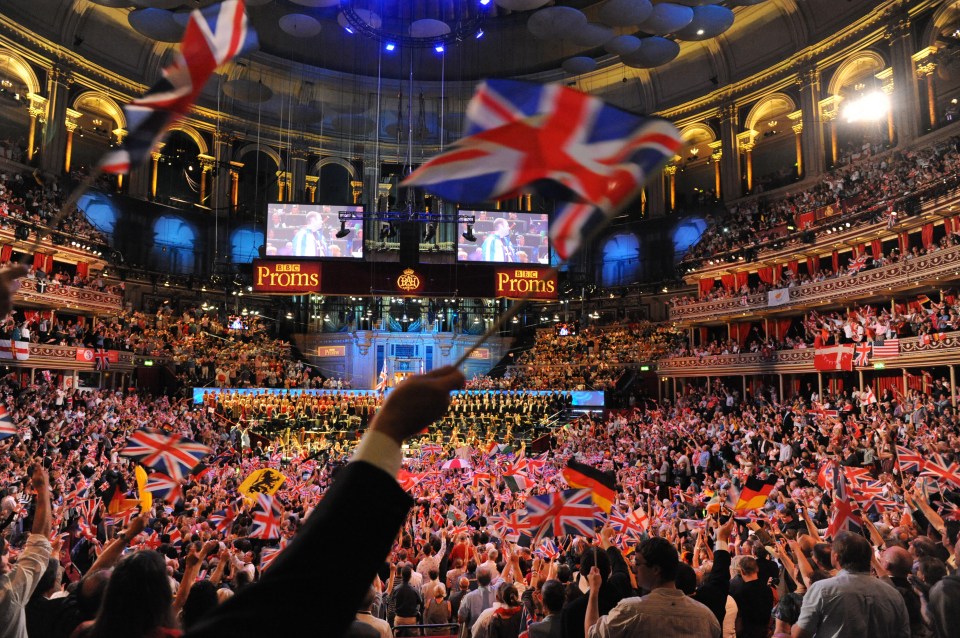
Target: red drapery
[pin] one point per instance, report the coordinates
(777, 273)
(83, 268)
(729, 281)
(742, 279)
(706, 285)
(876, 248)
(780, 327)
(926, 235)
(904, 239)
(703, 336)
(794, 267)
(836, 261)
(813, 265)
(81, 320)
(890, 381)
(947, 225)
(39, 261)
(6, 253)
(765, 274)
(740, 332)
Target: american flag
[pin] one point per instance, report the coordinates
(559, 513)
(521, 133)
(213, 36)
(862, 354)
(171, 454)
(7, 428)
(164, 487)
(267, 515)
(886, 349)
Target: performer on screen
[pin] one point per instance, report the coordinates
(497, 246)
(307, 242)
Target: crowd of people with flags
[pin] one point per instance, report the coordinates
(846, 191)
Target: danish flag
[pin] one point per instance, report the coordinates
(171, 454)
(267, 515)
(521, 133)
(213, 36)
(559, 513)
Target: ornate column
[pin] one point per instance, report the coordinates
(54, 141)
(371, 192)
(235, 184)
(70, 122)
(154, 169)
(356, 190)
(797, 118)
(926, 64)
(671, 172)
(715, 156)
(120, 134)
(811, 137)
(886, 77)
(298, 166)
(655, 197)
(312, 181)
(747, 145)
(730, 159)
(207, 164)
(283, 186)
(906, 96)
(38, 113)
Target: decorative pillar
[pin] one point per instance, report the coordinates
(235, 184)
(730, 158)
(356, 190)
(797, 125)
(207, 164)
(671, 171)
(906, 96)
(832, 122)
(953, 387)
(926, 65)
(283, 186)
(312, 181)
(120, 134)
(886, 77)
(54, 141)
(155, 168)
(70, 123)
(716, 154)
(298, 170)
(38, 113)
(811, 136)
(747, 149)
(656, 201)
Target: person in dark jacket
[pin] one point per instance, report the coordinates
(615, 584)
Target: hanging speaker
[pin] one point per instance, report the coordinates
(409, 244)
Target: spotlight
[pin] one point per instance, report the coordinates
(484, 3)
(344, 231)
(348, 30)
(479, 34)
(438, 48)
(390, 46)
(469, 236)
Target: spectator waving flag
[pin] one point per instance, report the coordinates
(520, 134)
(909, 460)
(267, 515)
(558, 513)
(845, 515)
(7, 428)
(171, 454)
(221, 520)
(214, 36)
(165, 488)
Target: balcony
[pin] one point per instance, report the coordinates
(913, 354)
(66, 298)
(932, 269)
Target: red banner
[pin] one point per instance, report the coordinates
(289, 277)
(526, 282)
(833, 358)
(85, 354)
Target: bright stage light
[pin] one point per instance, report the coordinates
(871, 107)
(438, 48)
(390, 46)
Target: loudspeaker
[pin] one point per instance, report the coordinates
(409, 244)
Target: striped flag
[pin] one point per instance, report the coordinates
(522, 133)
(7, 428)
(886, 349)
(214, 35)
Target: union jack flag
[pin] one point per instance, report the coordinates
(909, 461)
(480, 478)
(266, 518)
(559, 513)
(548, 549)
(382, 382)
(171, 454)
(856, 265)
(510, 525)
(520, 133)
(939, 469)
(213, 36)
(121, 518)
(175, 536)
(102, 358)
(222, 519)
(845, 515)
(862, 354)
(429, 449)
(633, 523)
(164, 487)
(7, 428)
(269, 554)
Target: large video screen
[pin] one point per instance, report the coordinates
(503, 237)
(310, 230)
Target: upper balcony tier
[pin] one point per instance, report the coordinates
(34, 294)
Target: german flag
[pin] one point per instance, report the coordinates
(754, 494)
(602, 484)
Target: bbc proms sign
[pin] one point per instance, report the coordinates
(289, 277)
(533, 283)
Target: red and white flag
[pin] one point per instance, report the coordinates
(833, 358)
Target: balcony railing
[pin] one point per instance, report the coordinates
(67, 297)
(913, 354)
(940, 264)
(56, 357)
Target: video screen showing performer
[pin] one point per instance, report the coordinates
(502, 237)
(313, 230)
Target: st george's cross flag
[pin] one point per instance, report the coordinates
(171, 454)
(522, 135)
(267, 515)
(559, 513)
(214, 35)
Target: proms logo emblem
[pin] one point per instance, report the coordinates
(409, 281)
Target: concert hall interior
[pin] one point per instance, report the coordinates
(649, 306)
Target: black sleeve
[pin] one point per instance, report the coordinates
(619, 573)
(331, 562)
(716, 586)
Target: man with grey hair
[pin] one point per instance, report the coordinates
(474, 603)
(852, 604)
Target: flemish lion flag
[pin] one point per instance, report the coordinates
(753, 495)
(263, 481)
(603, 485)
